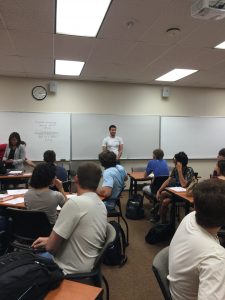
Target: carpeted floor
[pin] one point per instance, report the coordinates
(135, 280)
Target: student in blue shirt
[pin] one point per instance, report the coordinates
(158, 166)
(114, 177)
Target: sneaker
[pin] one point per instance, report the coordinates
(155, 219)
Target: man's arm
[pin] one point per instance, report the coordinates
(182, 180)
(120, 151)
(212, 278)
(105, 191)
(50, 244)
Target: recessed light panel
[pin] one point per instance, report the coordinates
(80, 17)
(68, 67)
(176, 74)
(220, 46)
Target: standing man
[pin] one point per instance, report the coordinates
(113, 143)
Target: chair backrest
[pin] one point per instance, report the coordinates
(28, 225)
(157, 182)
(67, 185)
(110, 238)
(161, 270)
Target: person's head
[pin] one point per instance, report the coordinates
(209, 200)
(88, 176)
(158, 154)
(112, 130)
(182, 158)
(221, 154)
(221, 167)
(107, 159)
(49, 156)
(43, 175)
(14, 139)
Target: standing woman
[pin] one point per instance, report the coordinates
(15, 155)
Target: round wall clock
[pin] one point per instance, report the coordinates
(39, 92)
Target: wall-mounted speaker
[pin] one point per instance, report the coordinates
(165, 92)
(52, 86)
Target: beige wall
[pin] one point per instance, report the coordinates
(113, 98)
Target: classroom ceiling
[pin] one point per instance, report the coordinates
(133, 44)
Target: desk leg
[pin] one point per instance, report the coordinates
(131, 187)
(173, 215)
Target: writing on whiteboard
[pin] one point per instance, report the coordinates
(46, 131)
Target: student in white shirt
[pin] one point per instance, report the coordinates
(196, 259)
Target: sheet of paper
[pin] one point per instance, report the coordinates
(15, 201)
(17, 192)
(3, 195)
(71, 196)
(15, 172)
(178, 189)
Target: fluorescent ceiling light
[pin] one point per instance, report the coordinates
(176, 74)
(68, 67)
(80, 17)
(220, 46)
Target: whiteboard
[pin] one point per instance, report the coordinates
(40, 131)
(198, 137)
(140, 134)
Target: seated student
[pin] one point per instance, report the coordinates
(221, 155)
(40, 197)
(50, 157)
(181, 175)
(14, 155)
(220, 169)
(157, 166)
(80, 230)
(196, 259)
(114, 177)
(28, 161)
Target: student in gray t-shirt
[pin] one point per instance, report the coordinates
(40, 197)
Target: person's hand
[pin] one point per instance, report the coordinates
(179, 166)
(58, 184)
(41, 242)
(9, 161)
(158, 195)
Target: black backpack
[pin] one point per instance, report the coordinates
(115, 254)
(159, 233)
(134, 208)
(26, 276)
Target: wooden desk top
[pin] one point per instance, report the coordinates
(23, 175)
(181, 195)
(71, 290)
(21, 205)
(138, 176)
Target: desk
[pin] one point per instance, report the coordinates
(25, 176)
(71, 290)
(134, 178)
(22, 205)
(7, 204)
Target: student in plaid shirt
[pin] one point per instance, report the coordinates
(181, 175)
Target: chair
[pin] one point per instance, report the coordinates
(156, 184)
(161, 270)
(67, 186)
(25, 226)
(95, 276)
(117, 213)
